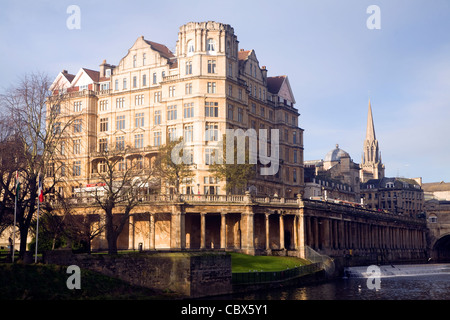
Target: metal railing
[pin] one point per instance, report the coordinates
(261, 277)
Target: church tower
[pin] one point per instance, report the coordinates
(371, 165)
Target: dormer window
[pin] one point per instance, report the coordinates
(210, 46)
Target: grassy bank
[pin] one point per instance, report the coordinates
(247, 263)
(48, 282)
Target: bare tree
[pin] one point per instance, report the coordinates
(123, 179)
(32, 112)
(171, 173)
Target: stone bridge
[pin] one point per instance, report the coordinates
(438, 218)
(265, 225)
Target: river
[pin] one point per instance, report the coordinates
(414, 282)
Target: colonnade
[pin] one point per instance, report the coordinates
(337, 234)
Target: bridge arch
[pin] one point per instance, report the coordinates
(441, 248)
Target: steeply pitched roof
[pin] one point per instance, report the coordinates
(94, 75)
(68, 76)
(162, 49)
(243, 54)
(274, 83)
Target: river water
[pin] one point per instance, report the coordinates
(426, 282)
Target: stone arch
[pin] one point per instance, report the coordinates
(440, 249)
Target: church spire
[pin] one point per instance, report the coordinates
(370, 131)
(371, 166)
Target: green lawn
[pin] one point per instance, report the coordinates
(247, 263)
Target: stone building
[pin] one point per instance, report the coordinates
(334, 177)
(398, 195)
(154, 95)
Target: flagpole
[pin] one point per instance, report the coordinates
(15, 211)
(14, 227)
(37, 232)
(37, 221)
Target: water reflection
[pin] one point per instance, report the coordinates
(419, 287)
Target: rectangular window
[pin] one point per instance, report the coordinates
(77, 168)
(210, 156)
(188, 67)
(295, 156)
(77, 106)
(158, 96)
(139, 120)
(154, 78)
(144, 80)
(157, 138)
(134, 82)
(188, 133)
(294, 175)
(230, 90)
(263, 112)
(212, 132)
(240, 115)
(63, 148)
(211, 109)
(211, 66)
(120, 102)
(188, 89)
(103, 124)
(172, 91)
(240, 94)
(124, 83)
(77, 146)
(122, 165)
(211, 87)
(103, 145)
(230, 114)
(120, 123)
(253, 108)
(116, 85)
(139, 99)
(294, 137)
(139, 140)
(102, 167)
(144, 59)
(77, 126)
(103, 105)
(120, 143)
(157, 117)
(171, 112)
(188, 110)
(172, 133)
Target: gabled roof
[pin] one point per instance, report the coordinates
(274, 83)
(280, 85)
(243, 54)
(68, 76)
(94, 75)
(162, 49)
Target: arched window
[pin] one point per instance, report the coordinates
(190, 47)
(210, 45)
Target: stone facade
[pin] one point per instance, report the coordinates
(154, 95)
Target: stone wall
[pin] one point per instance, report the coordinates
(189, 274)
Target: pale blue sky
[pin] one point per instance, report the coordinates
(332, 59)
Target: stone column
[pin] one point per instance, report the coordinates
(132, 233)
(267, 247)
(281, 231)
(152, 232)
(223, 230)
(202, 230)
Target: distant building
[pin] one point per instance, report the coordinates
(437, 190)
(398, 195)
(335, 177)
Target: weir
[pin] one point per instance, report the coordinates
(398, 270)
